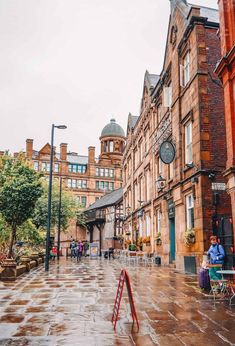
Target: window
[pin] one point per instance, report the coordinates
(160, 166)
(44, 165)
(148, 222)
(74, 168)
(188, 143)
(74, 183)
(185, 71)
(140, 151)
(140, 227)
(35, 165)
(159, 113)
(82, 184)
(56, 168)
(102, 172)
(190, 211)
(83, 201)
(167, 96)
(69, 183)
(97, 171)
(111, 186)
(111, 173)
(111, 146)
(159, 217)
(106, 172)
(106, 185)
(171, 171)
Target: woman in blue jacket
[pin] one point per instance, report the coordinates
(216, 255)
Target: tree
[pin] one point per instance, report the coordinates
(70, 209)
(20, 188)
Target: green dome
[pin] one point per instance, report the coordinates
(112, 130)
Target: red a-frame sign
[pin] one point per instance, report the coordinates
(124, 277)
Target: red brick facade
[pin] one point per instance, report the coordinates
(226, 72)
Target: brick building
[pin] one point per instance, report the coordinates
(88, 177)
(226, 72)
(183, 105)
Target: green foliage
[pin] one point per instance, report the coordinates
(69, 209)
(20, 188)
(132, 247)
(28, 233)
(5, 232)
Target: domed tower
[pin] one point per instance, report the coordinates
(112, 142)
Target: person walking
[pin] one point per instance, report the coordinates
(73, 249)
(86, 247)
(79, 250)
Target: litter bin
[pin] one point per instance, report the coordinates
(158, 260)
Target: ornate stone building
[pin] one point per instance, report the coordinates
(179, 205)
(226, 72)
(88, 177)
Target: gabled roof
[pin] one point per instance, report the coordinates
(111, 198)
(131, 122)
(150, 80)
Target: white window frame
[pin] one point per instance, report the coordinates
(69, 183)
(189, 207)
(159, 218)
(188, 143)
(36, 165)
(111, 173)
(167, 96)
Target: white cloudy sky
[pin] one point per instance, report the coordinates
(75, 62)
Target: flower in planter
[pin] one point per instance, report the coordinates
(146, 240)
(189, 236)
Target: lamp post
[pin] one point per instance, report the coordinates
(59, 221)
(61, 127)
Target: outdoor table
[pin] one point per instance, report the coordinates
(230, 284)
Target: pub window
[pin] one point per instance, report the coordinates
(190, 211)
(188, 143)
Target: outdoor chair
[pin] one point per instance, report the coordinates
(132, 257)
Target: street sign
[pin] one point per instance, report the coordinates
(218, 186)
(124, 278)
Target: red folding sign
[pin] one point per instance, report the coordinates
(124, 277)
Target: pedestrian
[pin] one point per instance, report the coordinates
(73, 249)
(86, 247)
(79, 250)
(216, 255)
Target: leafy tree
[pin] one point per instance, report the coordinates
(20, 188)
(69, 209)
(5, 232)
(29, 234)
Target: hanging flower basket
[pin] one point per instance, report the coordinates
(189, 236)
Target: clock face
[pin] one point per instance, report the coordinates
(167, 152)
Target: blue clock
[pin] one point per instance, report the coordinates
(167, 152)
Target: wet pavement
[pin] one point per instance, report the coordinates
(73, 303)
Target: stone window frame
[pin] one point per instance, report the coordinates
(189, 118)
(189, 211)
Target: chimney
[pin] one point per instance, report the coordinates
(91, 154)
(63, 151)
(29, 148)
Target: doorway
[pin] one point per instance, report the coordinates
(172, 239)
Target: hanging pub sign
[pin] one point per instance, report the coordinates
(167, 152)
(171, 209)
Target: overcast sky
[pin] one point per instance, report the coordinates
(75, 62)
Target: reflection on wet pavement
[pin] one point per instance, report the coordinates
(72, 304)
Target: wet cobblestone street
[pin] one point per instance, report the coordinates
(72, 305)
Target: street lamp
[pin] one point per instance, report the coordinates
(60, 127)
(59, 221)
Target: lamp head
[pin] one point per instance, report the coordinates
(61, 127)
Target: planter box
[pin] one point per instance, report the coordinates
(9, 270)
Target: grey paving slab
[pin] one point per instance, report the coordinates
(72, 304)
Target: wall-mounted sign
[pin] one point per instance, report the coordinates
(163, 132)
(167, 152)
(171, 209)
(218, 186)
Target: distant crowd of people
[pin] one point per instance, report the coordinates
(77, 249)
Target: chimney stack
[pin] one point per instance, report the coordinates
(91, 154)
(63, 151)
(29, 148)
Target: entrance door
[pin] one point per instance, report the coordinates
(172, 239)
(223, 229)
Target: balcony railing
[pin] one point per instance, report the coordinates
(95, 215)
